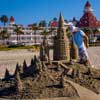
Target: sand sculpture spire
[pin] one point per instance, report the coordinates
(44, 50)
(18, 83)
(61, 42)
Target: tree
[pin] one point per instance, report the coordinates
(68, 33)
(4, 35)
(18, 31)
(35, 24)
(42, 23)
(55, 19)
(35, 28)
(4, 19)
(45, 33)
(53, 31)
(87, 31)
(95, 31)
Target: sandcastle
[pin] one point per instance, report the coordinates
(46, 78)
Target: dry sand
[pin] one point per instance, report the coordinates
(9, 59)
(94, 54)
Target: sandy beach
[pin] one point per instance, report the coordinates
(9, 59)
(94, 54)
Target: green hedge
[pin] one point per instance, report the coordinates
(13, 47)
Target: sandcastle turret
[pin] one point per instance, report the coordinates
(17, 69)
(7, 74)
(62, 83)
(73, 51)
(18, 83)
(44, 51)
(34, 60)
(24, 67)
(61, 42)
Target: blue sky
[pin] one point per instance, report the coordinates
(30, 11)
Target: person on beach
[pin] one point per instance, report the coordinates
(78, 37)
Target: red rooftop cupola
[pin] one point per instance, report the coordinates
(88, 7)
(87, 4)
(12, 20)
(88, 19)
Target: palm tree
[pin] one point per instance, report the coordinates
(35, 28)
(53, 31)
(87, 31)
(4, 19)
(55, 19)
(18, 31)
(45, 33)
(69, 35)
(95, 31)
(42, 23)
(4, 35)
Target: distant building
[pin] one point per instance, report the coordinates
(12, 20)
(54, 23)
(28, 38)
(74, 21)
(88, 20)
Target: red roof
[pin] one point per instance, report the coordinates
(12, 19)
(87, 4)
(54, 24)
(88, 20)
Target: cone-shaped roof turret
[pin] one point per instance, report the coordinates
(88, 7)
(12, 19)
(87, 4)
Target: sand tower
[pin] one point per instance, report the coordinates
(61, 42)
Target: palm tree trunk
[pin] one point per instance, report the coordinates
(3, 42)
(17, 38)
(35, 36)
(94, 34)
(4, 24)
